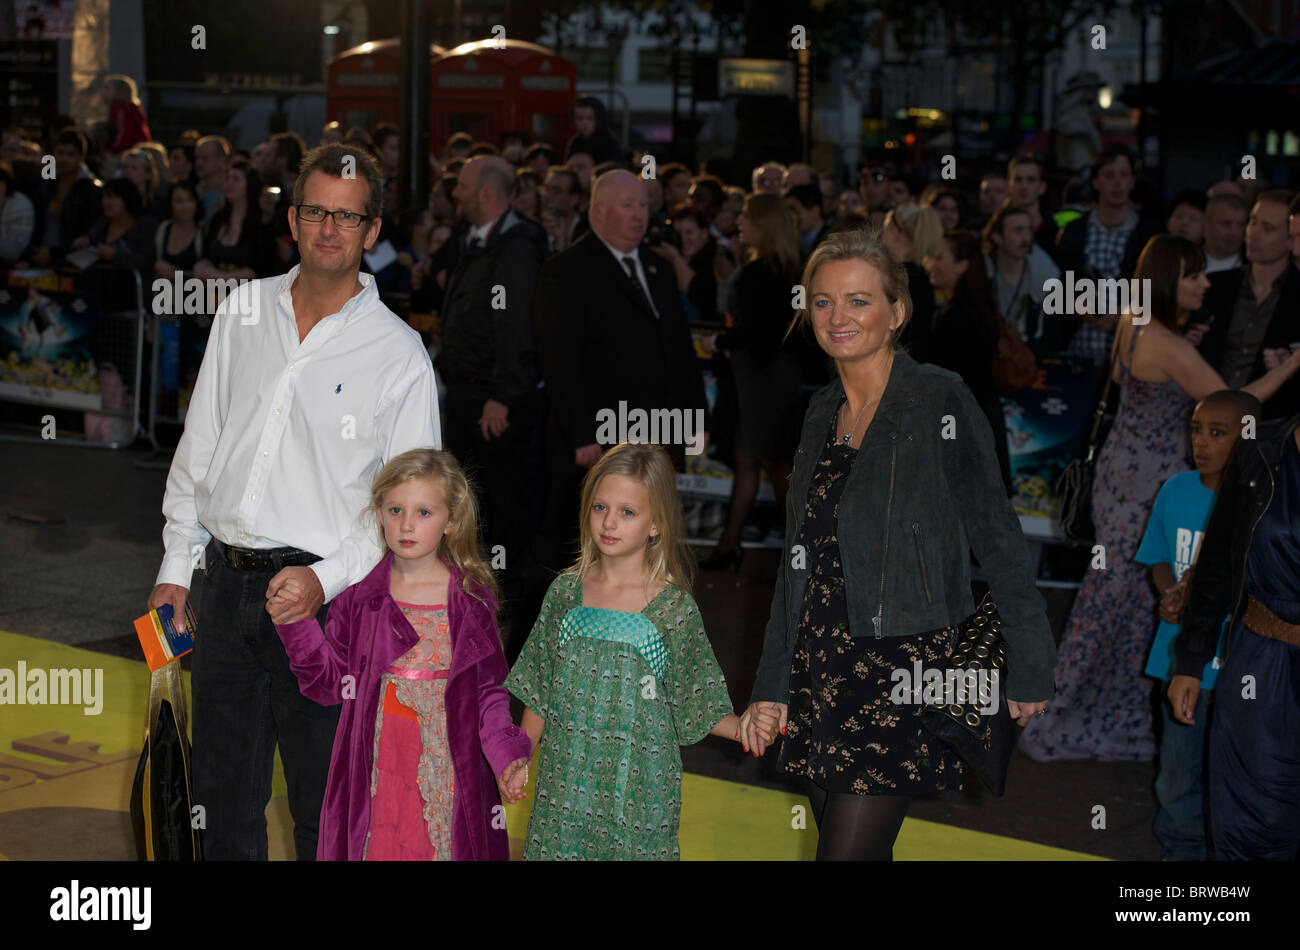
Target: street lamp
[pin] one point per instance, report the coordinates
(1105, 96)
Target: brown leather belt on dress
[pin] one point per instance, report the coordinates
(269, 559)
(1259, 619)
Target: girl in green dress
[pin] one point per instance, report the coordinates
(618, 673)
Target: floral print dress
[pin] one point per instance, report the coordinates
(413, 783)
(1102, 707)
(620, 693)
(844, 731)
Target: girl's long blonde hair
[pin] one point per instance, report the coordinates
(460, 545)
(668, 559)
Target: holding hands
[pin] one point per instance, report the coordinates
(513, 780)
(294, 594)
(759, 726)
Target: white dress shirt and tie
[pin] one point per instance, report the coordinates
(630, 261)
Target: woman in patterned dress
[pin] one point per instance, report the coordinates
(1103, 709)
(895, 483)
(618, 673)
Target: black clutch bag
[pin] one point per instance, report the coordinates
(984, 740)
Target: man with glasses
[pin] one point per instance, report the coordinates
(874, 187)
(308, 386)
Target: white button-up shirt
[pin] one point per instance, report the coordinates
(283, 438)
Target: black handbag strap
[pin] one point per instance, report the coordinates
(1105, 398)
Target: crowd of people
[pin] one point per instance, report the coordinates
(566, 282)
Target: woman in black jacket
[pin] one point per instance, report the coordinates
(964, 338)
(123, 234)
(912, 233)
(237, 243)
(1249, 565)
(894, 484)
(768, 381)
(692, 262)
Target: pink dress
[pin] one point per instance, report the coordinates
(412, 783)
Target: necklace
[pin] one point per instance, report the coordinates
(848, 436)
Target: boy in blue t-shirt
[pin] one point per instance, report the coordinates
(1170, 545)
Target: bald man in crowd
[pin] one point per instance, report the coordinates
(489, 360)
(611, 329)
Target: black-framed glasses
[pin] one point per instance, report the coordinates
(348, 220)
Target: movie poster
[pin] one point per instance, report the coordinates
(49, 335)
(1046, 427)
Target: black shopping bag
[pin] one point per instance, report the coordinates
(161, 793)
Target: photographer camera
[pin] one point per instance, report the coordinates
(689, 247)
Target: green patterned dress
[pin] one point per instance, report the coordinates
(620, 693)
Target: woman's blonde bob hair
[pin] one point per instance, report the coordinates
(922, 227)
(668, 559)
(856, 244)
(460, 545)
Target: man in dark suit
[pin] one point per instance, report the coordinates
(489, 363)
(1255, 308)
(611, 328)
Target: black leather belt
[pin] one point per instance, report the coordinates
(267, 559)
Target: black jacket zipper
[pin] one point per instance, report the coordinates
(878, 619)
(920, 554)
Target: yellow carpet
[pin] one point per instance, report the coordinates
(65, 786)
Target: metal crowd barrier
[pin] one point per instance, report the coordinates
(57, 354)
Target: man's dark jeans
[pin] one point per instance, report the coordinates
(245, 700)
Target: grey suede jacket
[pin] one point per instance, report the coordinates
(914, 505)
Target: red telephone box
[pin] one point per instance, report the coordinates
(363, 83)
(483, 88)
(488, 87)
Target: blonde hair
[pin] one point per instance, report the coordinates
(857, 244)
(123, 87)
(144, 156)
(778, 238)
(459, 547)
(157, 152)
(668, 558)
(922, 227)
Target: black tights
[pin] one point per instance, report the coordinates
(856, 827)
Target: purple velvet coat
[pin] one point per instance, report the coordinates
(365, 632)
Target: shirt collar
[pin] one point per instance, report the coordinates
(482, 233)
(1128, 224)
(357, 306)
(618, 255)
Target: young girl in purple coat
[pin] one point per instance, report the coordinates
(425, 741)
